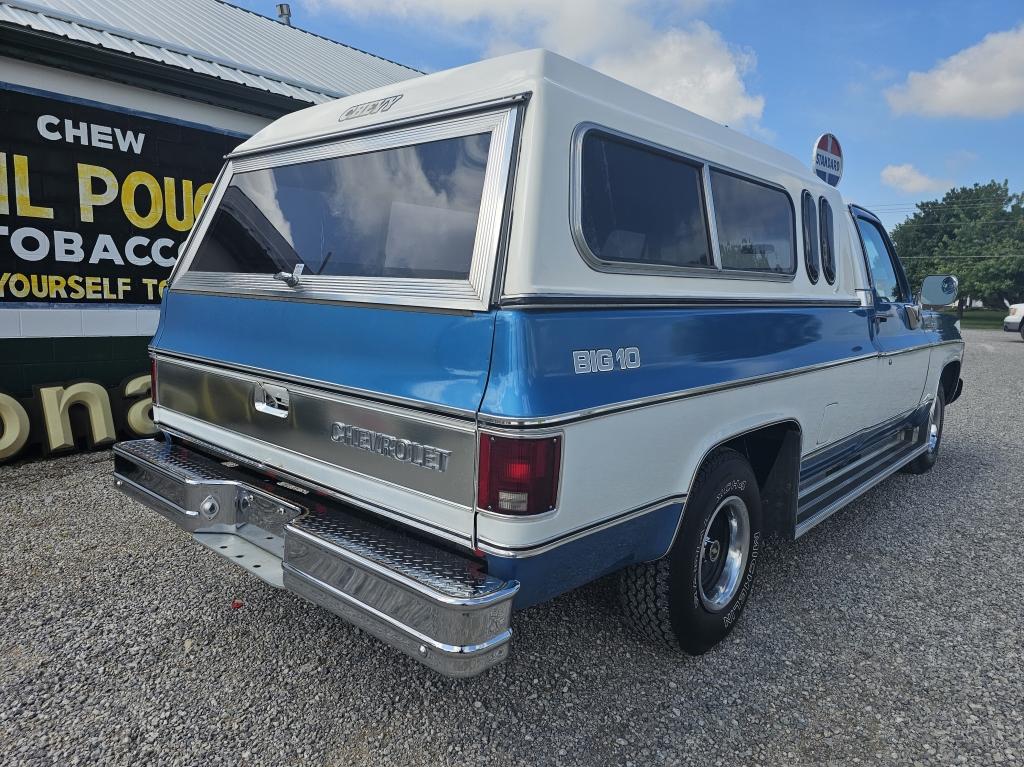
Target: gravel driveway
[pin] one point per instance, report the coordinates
(892, 634)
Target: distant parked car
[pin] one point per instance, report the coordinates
(1014, 321)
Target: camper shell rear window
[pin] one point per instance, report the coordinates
(410, 215)
(403, 212)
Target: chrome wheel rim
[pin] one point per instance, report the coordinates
(725, 547)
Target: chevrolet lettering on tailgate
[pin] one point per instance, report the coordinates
(402, 450)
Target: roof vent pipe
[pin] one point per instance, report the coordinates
(284, 13)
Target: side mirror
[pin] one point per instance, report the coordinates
(939, 290)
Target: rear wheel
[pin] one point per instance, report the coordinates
(933, 435)
(692, 598)
(1021, 329)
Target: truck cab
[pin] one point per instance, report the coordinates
(456, 346)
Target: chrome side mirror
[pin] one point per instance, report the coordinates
(939, 290)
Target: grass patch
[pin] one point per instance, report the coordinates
(983, 319)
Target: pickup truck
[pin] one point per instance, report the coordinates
(448, 349)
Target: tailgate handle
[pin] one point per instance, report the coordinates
(272, 400)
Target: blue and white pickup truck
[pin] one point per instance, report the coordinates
(451, 348)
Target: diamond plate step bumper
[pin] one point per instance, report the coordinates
(433, 604)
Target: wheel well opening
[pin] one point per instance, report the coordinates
(774, 455)
(950, 379)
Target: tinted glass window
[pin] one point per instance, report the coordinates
(883, 272)
(405, 212)
(809, 216)
(828, 240)
(641, 206)
(755, 225)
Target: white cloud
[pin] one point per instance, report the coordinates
(694, 68)
(985, 80)
(909, 180)
(682, 60)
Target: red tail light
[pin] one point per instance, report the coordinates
(518, 476)
(152, 379)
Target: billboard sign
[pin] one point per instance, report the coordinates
(94, 201)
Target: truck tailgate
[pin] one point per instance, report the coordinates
(378, 404)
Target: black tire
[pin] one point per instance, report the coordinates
(937, 417)
(1021, 329)
(663, 599)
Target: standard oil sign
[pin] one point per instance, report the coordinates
(827, 159)
(94, 203)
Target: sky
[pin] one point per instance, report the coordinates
(922, 95)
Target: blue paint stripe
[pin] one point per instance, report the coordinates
(532, 373)
(438, 359)
(581, 561)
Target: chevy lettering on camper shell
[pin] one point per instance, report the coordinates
(369, 108)
(467, 402)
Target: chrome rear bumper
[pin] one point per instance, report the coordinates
(433, 604)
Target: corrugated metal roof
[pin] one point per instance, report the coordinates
(213, 38)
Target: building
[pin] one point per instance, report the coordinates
(116, 117)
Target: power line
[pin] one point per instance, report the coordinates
(963, 223)
(960, 258)
(976, 204)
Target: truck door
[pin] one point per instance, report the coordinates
(896, 331)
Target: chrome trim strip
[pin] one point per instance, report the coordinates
(307, 484)
(856, 492)
(881, 427)
(573, 535)
(515, 158)
(657, 399)
(888, 443)
(201, 223)
(709, 207)
(384, 126)
(898, 352)
(523, 301)
(457, 424)
(219, 366)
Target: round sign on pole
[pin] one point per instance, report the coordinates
(827, 160)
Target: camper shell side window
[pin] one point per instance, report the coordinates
(641, 208)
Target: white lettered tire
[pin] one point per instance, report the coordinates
(692, 598)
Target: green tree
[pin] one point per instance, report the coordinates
(975, 232)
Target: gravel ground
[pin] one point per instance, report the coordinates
(893, 634)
